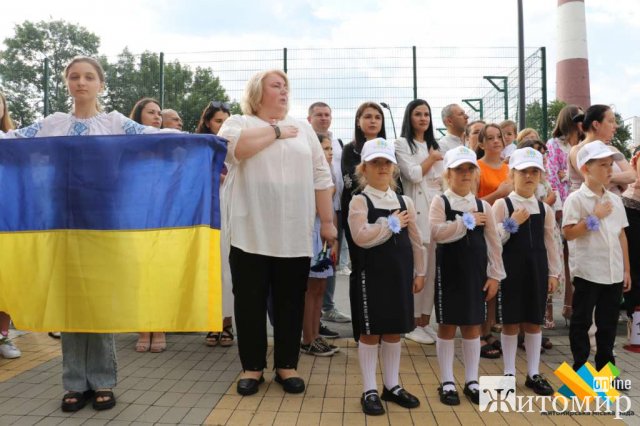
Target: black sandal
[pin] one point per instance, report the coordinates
(81, 400)
(448, 397)
(488, 350)
(473, 394)
(212, 338)
(104, 405)
(226, 337)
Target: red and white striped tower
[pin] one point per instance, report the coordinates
(572, 67)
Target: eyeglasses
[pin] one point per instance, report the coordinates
(220, 105)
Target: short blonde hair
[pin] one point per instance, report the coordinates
(527, 133)
(250, 103)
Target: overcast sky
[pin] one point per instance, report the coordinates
(613, 29)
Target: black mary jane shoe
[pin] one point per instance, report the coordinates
(371, 403)
(539, 384)
(249, 386)
(473, 394)
(290, 385)
(400, 396)
(81, 400)
(448, 397)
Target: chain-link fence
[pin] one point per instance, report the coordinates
(483, 80)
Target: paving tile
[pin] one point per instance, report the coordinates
(195, 416)
(175, 414)
(131, 413)
(152, 414)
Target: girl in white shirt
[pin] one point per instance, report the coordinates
(390, 268)
(469, 267)
(531, 262)
(420, 163)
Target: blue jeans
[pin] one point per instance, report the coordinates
(88, 361)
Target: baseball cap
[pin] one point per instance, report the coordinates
(460, 155)
(526, 157)
(594, 151)
(378, 148)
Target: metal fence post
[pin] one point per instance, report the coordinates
(284, 57)
(45, 86)
(161, 80)
(415, 74)
(479, 108)
(504, 90)
(545, 112)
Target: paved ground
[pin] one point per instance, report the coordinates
(191, 383)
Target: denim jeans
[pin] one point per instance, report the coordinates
(88, 361)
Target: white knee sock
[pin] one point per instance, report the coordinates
(368, 357)
(390, 363)
(471, 356)
(532, 343)
(445, 351)
(509, 350)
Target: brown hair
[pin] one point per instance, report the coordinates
(483, 135)
(565, 125)
(6, 123)
(136, 112)
(96, 66)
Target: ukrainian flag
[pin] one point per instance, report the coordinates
(111, 233)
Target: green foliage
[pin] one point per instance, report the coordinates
(22, 64)
(534, 117)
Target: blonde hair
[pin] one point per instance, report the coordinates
(476, 179)
(250, 103)
(509, 123)
(362, 179)
(6, 123)
(525, 133)
(96, 66)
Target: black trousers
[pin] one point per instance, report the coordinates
(605, 298)
(632, 298)
(253, 276)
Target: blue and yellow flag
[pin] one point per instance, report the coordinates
(111, 233)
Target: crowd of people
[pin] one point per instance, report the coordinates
(480, 228)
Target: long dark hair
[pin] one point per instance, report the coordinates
(358, 137)
(408, 131)
(594, 113)
(208, 113)
(136, 112)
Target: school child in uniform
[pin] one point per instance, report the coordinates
(469, 267)
(391, 268)
(531, 262)
(593, 223)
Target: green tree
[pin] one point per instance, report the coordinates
(622, 137)
(22, 65)
(534, 116)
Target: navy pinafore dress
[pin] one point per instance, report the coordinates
(385, 282)
(461, 273)
(522, 296)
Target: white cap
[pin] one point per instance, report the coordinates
(524, 158)
(594, 151)
(378, 148)
(459, 155)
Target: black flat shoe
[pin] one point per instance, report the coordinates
(371, 403)
(473, 394)
(400, 397)
(539, 384)
(448, 397)
(291, 385)
(249, 386)
(81, 400)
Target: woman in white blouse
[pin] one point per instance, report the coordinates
(279, 178)
(421, 169)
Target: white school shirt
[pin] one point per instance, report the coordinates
(336, 165)
(271, 198)
(443, 231)
(500, 212)
(368, 235)
(421, 189)
(596, 256)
